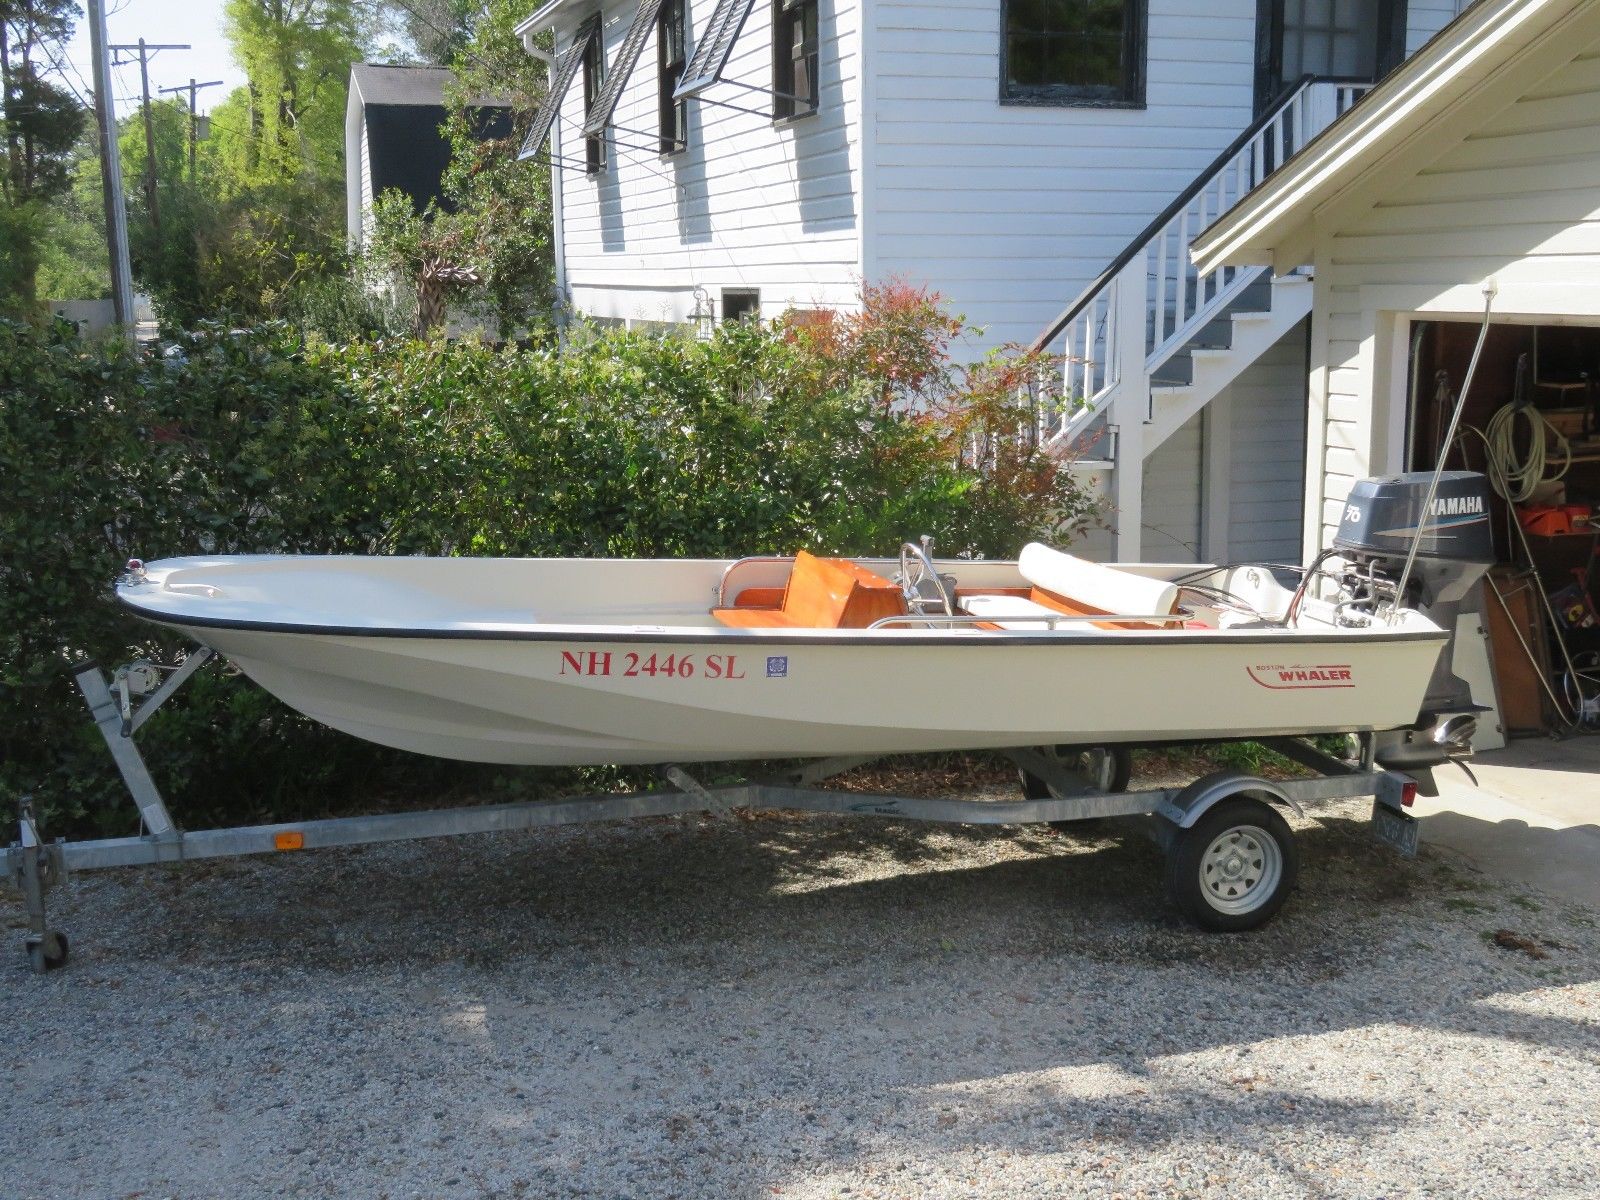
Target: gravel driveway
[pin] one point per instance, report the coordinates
(817, 1007)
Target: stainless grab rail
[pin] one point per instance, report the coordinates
(722, 584)
(1051, 620)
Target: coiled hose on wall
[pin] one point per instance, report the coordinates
(1518, 478)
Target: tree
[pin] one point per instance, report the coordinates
(264, 212)
(42, 122)
(74, 261)
(490, 246)
(168, 262)
(296, 55)
(226, 249)
(438, 30)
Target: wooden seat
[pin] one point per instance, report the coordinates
(822, 593)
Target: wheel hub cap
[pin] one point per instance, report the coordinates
(1240, 870)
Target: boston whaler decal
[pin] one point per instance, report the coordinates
(1323, 675)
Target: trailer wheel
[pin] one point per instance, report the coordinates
(1233, 868)
(1108, 767)
(42, 956)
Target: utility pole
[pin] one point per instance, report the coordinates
(192, 87)
(111, 172)
(145, 50)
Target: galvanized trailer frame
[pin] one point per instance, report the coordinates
(122, 702)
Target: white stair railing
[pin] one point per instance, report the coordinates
(1109, 353)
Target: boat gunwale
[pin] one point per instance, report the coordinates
(688, 634)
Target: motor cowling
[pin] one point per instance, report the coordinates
(1383, 516)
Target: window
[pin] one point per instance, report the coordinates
(594, 65)
(1073, 52)
(739, 304)
(670, 58)
(1360, 40)
(567, 67)
(1330, 37)
(794, 59)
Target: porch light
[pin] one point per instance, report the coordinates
(703, 314)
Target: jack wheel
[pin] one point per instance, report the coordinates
(47, 953)
(1234, 868)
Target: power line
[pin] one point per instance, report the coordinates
(147, 51)
(62, 71)
(444, 33)
(192, 88)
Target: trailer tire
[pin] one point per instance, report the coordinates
(1233, 869)
(42, 957)
(1116, 770)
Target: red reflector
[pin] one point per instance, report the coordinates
(1408, 793)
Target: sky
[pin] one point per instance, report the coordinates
(195, 22)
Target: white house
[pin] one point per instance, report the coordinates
(393, 138)
(1463, 192)
(1477, 161)
(717, 157)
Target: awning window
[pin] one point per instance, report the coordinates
(715, 47)
(566, 70)
(605, 104)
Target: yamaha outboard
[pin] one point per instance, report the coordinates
(1383, 517)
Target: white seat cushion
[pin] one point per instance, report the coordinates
(1001, 611)
(1094, 585)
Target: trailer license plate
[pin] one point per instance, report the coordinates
(1395, 829)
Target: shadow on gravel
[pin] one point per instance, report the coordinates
(726, 991)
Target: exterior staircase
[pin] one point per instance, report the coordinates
(1151, 342)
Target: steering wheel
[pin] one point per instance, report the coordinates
(916, 572)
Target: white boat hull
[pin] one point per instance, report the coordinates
(431, 663)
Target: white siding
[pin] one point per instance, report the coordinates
(1518, 199)
(1266, 483)
(367, 216)
(1010, 211)
(1424, 18)
(747, 205)
(1171, 501)
(1263, 485)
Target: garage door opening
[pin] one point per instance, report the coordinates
(1532, 424)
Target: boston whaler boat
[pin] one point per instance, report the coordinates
(573, 661)
(1059, 662)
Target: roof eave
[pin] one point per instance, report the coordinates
(543, 18)
(1415, 95)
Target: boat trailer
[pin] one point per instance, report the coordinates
(1231, 859)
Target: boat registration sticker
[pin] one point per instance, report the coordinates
(1280, 677)
(777, 666)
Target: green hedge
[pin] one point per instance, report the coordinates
(237, 442)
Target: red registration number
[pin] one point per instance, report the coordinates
(629, 665)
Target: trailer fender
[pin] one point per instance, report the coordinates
(1189, 805)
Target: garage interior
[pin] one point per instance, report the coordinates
(1531, 422)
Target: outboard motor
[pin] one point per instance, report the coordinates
(1455, 546)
